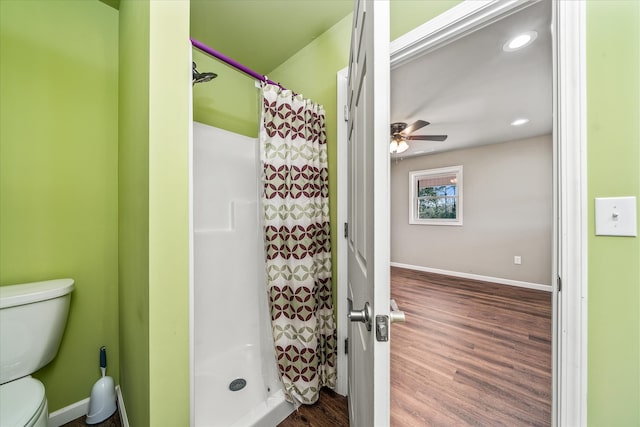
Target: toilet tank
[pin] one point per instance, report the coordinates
(32, 320)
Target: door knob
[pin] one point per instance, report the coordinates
(363, 315)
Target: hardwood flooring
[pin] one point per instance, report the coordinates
(470, 353)
(112, 421)
(330, 411)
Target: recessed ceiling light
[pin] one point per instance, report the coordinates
(519, 122)
(520, 41)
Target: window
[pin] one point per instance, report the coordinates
(435, 196)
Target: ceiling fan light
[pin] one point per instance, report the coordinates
(393, 147)
(402, 147)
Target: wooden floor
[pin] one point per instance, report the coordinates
(330, 411)
(112, 421)
(470, 353)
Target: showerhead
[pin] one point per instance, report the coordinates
(198, 77)
(203, 77)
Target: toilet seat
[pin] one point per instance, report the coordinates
(22, 402)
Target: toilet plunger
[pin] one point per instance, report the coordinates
(102, 403)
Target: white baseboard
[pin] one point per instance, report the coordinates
(123, 412)
(69, 413)
(498, 280)
(80, 409)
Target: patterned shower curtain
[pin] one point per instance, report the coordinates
(297, 242)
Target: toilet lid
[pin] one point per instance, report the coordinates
(20, 400)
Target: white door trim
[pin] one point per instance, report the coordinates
(570, 378)
(570, 327)
(341, 246)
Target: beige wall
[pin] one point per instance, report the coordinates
(507, 198)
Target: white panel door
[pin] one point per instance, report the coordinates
(368, 214)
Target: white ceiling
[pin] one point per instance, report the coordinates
(472, 90)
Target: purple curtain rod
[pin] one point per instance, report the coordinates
(235, 64)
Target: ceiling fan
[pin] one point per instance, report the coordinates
(401, 133)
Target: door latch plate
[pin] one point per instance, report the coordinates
(382, 328)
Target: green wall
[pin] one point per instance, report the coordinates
(613, 162)
(169, 159)
(154, 211)
(231, 101)
(58, 173)
(133, 209)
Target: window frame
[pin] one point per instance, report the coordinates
(415, 176)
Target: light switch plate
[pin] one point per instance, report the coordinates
(616, 216)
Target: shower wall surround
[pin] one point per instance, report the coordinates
(236, 380)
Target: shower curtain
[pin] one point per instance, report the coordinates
(297, 242)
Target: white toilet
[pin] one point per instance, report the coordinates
(32, 320)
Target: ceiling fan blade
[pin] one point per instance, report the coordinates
(428, 137)
(414, 127)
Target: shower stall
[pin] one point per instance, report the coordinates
(235, 375)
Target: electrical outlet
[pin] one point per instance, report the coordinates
(517, 260)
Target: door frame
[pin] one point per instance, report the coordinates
(569, 323)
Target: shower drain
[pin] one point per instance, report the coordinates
(237, 384)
